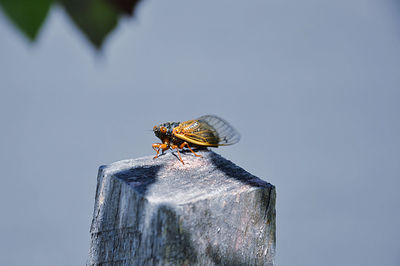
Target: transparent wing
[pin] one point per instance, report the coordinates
(223, 132)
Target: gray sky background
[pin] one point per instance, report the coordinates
(312, 86)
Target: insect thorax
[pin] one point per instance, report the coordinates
(170, 126)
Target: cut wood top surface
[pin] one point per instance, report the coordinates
(167, 180)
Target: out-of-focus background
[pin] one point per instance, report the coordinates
(312, 86)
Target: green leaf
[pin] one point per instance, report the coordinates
(27, 15)
(96, 18)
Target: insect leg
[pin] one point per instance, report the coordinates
(158, 146)
(179, 154)
(187, 145)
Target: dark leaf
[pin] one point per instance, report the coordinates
(125, 6)
(96, 18)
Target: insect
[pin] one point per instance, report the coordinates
(205, 131)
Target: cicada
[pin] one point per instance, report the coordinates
(205, 131)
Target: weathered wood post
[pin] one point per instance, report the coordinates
(160, 212)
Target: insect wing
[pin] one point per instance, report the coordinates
(226, 134)
(208, 130)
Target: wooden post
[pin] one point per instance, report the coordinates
(161, 212)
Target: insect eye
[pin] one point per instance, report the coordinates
(163, 130)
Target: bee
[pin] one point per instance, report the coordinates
(205, 131)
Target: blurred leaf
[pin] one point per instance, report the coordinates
(96, 18)
(27, 15)
(125, 6)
